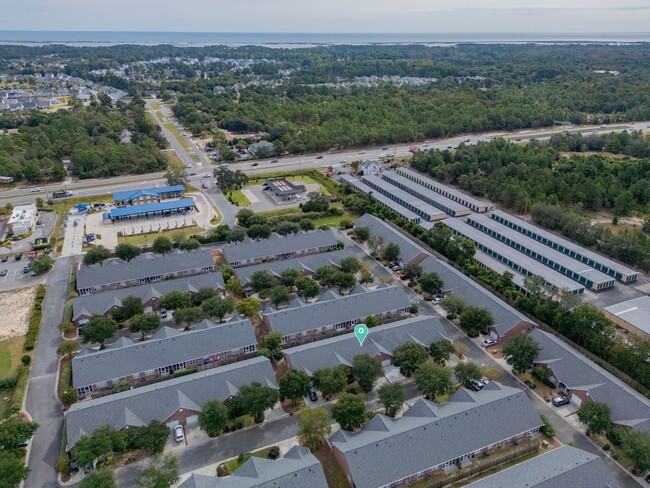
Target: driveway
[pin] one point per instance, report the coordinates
(41, 401)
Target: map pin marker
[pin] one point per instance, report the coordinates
(361, 331)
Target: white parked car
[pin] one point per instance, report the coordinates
(179, 434)
(435, 300)
(35, 190)
(489, 342)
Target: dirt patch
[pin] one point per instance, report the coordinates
(20, 302)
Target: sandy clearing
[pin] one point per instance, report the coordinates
(15, 308)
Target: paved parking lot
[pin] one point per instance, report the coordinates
(48, 219)
(15, 278)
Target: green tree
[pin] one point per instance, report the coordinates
(636, 446)
(453, 305)
(131, 306)
(161, 245)
(330, 380)
(475, 319)
(392, 397)
(218, 308)
(521, 352)
(441, 350)
(262, 280)
(189, 244)
(273, 341)
(41, 263)
(375, 243)
(391, 252)
(98, 329)
(278, 295)
(350, 264)
(307, 224)
(234, 287)
(127, 252)
(366, 370)
(96, 254)
(143, 324)
(213, 417)
(254, 399)
(152, 437)
(14, 431)
(294, 385)
(12, 468)
(285, 228)
(259, 231)
(409, 356)
(204, 293)
(187, 316)
(432, 380)
(430, 283)
(466, 372)
(343, 281)
(412, 271)
(99, 478)
(547, 428)
(66, 348)
(313, 427)
(361, 234)
(288, 278)
(307, 288)
(162, 472)
(366, 277)
(596, 416)
(349, 411)
(249, 307)
(244, 217)
(227, 179)
(324, 273)
(371, 321)
(175, 300)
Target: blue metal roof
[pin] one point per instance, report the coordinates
(151, 207)
(154, 192)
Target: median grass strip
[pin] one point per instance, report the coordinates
(155, 105)
(35, 319)
(179, 137)
(161, 117)
(195, 158)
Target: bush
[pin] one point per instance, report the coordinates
(242, 458)
(62, 464)
(66, 327)
(547, 428)
(9, 382)
(274, 452)
(617, 456)
(531, 384)
(183, 372)
(614, 436)
(35, 319)
(607, 447)
(223, 470)
(26, 359)
(22, 376)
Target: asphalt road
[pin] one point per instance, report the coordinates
(41, 401)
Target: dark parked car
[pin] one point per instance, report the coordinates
(559, 401)
(19, 256)
(5, 259)
(74, 467)
(312, 395)
(255, 164)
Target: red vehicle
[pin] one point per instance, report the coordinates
(414, 149)
(32, 254)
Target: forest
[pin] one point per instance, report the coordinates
(90, 135)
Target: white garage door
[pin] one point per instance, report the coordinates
(576, 400)
(173, 424)
(148, 310)
(385, 362)
(494, 335)
(192, 419)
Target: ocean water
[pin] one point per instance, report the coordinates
(82, 38)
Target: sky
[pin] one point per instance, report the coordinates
(338, 16)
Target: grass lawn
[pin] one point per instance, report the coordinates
(140, 239)
(155, 105)
(234, 464)
(281, 211)
(240, 199)
(195, 158)
(5, 402)
(161, 117)
(181, 140)
(151, 118)
(11, 351)
(174, 161)
(65, 379)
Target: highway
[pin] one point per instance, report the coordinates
(98, 186)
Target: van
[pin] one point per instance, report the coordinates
(25, 269)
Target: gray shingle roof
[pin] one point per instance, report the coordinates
(564, 466)
(168, 346)
(505, 316)
(341, 309)
(341, 350)
(298, 468)
(277, 244)
(102, 302)
(628, 406)
(116, 270)
(160, 400)
(307, 263)
(429, 434)
(408, 248)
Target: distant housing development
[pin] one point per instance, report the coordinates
(175, 401)
(335, 313)
(631, 315)
(167, 351)
(146, 268)
(278, 247)
(430, 437)
(564, 466)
